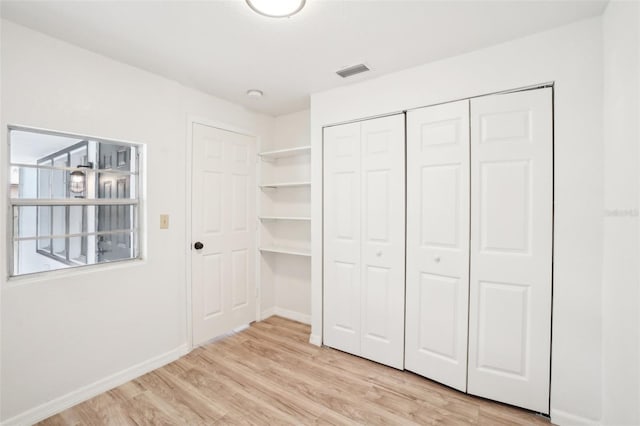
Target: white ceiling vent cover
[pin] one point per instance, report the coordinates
(352, 70)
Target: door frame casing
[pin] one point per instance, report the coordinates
(191, 120)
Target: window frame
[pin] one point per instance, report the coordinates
(135, 201)
(51, 254)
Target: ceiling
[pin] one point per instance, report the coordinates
(224, 48)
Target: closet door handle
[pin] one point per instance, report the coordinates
(379, 253)
(198, 246)
(436, 259)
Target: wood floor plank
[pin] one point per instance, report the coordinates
(270, 374)
(193, 408)
(108, 411)
(374, 393)
(382, 396)
(283, 391)
(280, 398)
(352, 393)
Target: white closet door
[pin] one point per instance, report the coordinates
(383, 240)
(364, 239)
(511, 248)
(342, 237)
(438, 242)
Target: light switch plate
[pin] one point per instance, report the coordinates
(164, 221)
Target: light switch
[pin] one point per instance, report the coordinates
(164, 221)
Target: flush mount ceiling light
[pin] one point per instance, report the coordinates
(276, 8)
(254, 93)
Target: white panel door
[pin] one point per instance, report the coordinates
(438, 242)
(383, 240)
(223, 221)
(342, 237)
(364, 239)
(511, 248)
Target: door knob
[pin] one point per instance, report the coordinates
(379, 253)
(198, 245)
(436, 259)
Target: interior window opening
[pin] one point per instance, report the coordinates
(74, 201)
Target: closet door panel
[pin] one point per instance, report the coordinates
(383, 242)
(342, 238)
(438, 242)
(511, 248)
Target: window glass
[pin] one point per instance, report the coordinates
(74, 201)
(43, 221)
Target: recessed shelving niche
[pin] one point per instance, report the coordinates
(285, 221)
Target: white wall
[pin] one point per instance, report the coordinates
(291, 130)
(620, 296)
(65, 331)
(571, 56)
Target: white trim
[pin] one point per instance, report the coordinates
(74, 169)
(5, 180)
(286, 250)
(84, 393)
(282, 153)
(292, 315)
(284, 218)
(269, 312)
(241, 328)
(638, 159)
(258, 228)
(188, 237)
(285, 184)
(286, 313)
(402, 111)
(28, 202)
(32, 129)
(79, 234)
(56, 274)
(562, 418)
(315, 339)
(220, 125)
(191, 120)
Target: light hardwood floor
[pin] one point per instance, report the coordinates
(269, 375)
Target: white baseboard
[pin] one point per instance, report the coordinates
(84, 393)
(286, 313)
(562, 418)
(315, 339)
(240, 328)
(292, 315)
(267, 313)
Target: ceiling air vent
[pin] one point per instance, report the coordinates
(352, 70)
